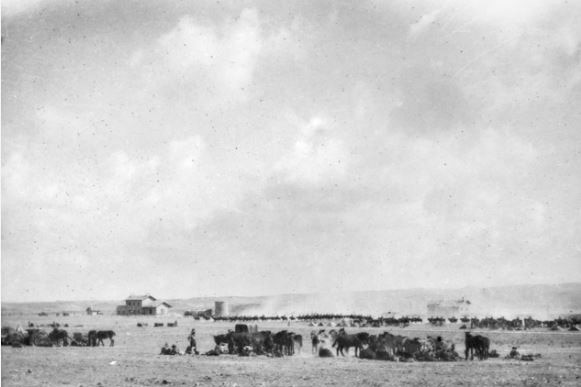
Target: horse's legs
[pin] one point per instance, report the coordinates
(112, 342)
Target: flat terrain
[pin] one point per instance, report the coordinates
(134, 360)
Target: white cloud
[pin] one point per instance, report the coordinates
(215, 59)
(317, 156)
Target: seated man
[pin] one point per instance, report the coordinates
(513, 353)
(165, 350)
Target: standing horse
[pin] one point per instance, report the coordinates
(57, 336)
(283, 343)
(478, 344)
(345, 341)
(101, 335)
(470, 344)
(484, 347)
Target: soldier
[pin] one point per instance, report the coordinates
(193, 346)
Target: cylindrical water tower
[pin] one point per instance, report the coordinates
(220, 309)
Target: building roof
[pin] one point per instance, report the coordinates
(143, 297)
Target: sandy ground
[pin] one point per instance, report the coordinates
(134, 360)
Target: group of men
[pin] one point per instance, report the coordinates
(190, 350)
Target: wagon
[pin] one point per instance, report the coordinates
(11, 336)
(38, 338)
(80, 340)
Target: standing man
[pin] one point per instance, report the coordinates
(192, 339)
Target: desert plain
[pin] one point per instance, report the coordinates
(134, 360)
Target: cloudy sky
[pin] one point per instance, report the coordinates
(244, 148)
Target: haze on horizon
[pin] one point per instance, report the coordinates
(258, 147)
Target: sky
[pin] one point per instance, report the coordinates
(220, 148)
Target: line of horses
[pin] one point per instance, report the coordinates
(93, 338)
(56, 337)
(322, 319)
(356, 320)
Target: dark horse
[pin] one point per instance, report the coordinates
(57, 336)
(101, 335)
(345, 341)
(283, 343)
(478, 344)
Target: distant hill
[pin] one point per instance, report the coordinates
(540, 301)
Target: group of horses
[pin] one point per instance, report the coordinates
(522, 324)
(94, 338)
(387, 346)
(384, 346)
(56, 337)
(243, 341)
